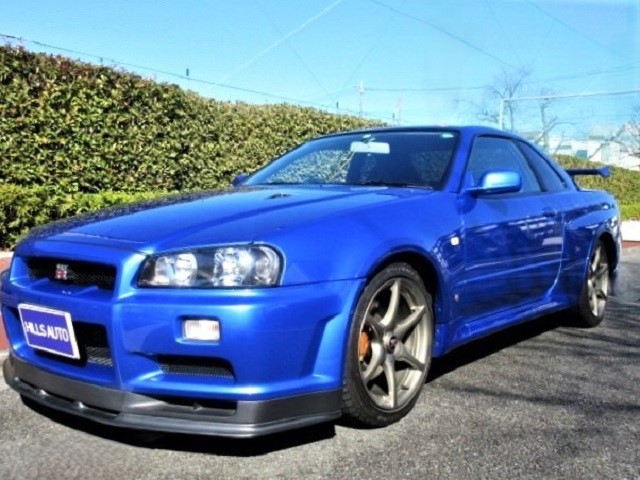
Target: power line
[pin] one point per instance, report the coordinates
(573, 95)
(435, 89)
(381, 33)
(443, 31)
(280, 41)
(503, 101)
(474, 47)
(569, 27)
(202, 81)
(315, 104)
(297, 54)
(508, 41)
(589, 73)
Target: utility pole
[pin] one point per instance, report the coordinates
(361, 94)
(544, 104)
(398, 112)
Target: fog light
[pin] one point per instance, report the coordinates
(200, 329)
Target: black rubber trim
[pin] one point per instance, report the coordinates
(132, 410)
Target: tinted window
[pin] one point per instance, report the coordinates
(494, 153)
(548, 177)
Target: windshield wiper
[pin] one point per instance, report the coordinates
(389, 183)
(281, 183)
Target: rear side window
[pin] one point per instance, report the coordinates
(550, 180)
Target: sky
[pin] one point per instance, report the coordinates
(400, 61)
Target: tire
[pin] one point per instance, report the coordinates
(595, 289)
(389, 349)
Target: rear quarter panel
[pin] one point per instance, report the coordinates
(589, 216)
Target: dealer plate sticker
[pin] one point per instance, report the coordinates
(49, 330)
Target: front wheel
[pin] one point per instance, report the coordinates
(595, 290)
(389, 348)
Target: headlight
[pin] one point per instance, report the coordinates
(237, 266)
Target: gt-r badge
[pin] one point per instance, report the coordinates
(62, 271)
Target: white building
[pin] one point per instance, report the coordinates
(612, 149)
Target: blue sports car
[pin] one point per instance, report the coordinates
(320, 286)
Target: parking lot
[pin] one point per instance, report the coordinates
(542, 400)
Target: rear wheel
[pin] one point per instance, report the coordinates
(595, 290)
(389, 348)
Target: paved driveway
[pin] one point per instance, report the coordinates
(627, 284)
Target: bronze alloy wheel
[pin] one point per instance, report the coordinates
(595, 290)
(390, 348)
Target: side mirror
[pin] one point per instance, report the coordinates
(494, 182)
(241, 177)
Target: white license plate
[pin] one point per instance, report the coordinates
(49, 330)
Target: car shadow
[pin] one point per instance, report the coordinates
(484, 347)
(458, 358)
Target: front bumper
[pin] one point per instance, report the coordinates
(125, 409)
(278, 363)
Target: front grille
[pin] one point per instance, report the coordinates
(92, 345)
(72, 272)
(195, 366)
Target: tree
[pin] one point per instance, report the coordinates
(548, 123)
(633, 130)
(507, 100)
(506, 86)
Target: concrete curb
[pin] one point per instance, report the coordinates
(4, 354)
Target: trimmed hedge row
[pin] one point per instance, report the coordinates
(630, 212)
(23, 208)
(84, 128)
(623, 184)
(78, 138)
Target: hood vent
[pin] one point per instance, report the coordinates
(278, 195)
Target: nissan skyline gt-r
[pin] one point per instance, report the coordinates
(320, 286)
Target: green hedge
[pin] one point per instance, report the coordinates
(84, 128)
(76, 137)
(630, 212)
(23, 208)
(623, 184)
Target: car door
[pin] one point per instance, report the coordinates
(512, 242)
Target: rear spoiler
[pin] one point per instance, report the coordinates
(604, 172)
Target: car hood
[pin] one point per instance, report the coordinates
(205, 218)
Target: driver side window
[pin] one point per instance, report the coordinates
(495, 153)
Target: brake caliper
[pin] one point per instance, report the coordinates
(364, 345)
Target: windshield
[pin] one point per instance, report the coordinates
(377, 158)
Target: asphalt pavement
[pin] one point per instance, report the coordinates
(626, 286)
(541, 400)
